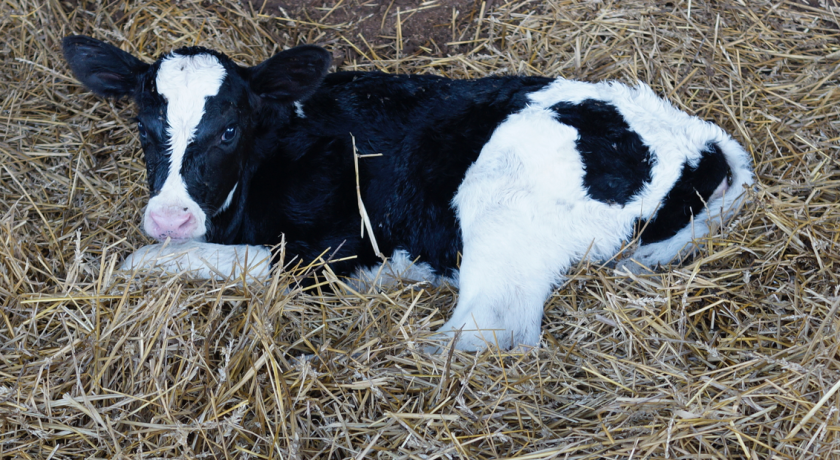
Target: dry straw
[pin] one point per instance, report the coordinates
(733, 354)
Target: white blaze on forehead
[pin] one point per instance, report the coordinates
(185, 82)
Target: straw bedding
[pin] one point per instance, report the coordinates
(732, 354)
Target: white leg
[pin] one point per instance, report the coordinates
(517, 209)
(503, 287)
(400, 267)
(203, 260)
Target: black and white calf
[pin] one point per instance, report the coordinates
(522, 175)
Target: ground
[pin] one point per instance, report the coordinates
(436, 26)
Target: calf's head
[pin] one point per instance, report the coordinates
(198, 113)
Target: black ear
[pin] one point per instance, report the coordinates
(290, 75)
(102, 68)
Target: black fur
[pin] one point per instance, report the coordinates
(616, 161)
(428, 129)
(104, 68)
(688, 196)
(292, 75)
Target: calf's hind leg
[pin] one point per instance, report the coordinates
(513, 255)
(503, 288)
(514, 208)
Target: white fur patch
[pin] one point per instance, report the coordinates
(203, 260)
(299, 109)
(517, 207)
(185, 82)
(526, 218)
(228, 200)
(399, 267)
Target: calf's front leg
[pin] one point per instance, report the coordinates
(203, 260)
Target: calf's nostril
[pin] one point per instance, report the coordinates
(186, 223)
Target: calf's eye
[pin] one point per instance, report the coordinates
(229, 134)
(141, 128)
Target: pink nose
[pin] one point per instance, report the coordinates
(172, 223)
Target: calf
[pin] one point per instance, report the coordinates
(522, 175)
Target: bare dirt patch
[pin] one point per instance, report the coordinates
(433, 27)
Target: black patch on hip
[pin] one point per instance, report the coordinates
(688, 196)
(617, 163)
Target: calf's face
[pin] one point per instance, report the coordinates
(190, 127)
(198, 113)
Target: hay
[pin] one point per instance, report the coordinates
(734, 354)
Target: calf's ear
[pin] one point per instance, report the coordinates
(102, 68)
(291, 75)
